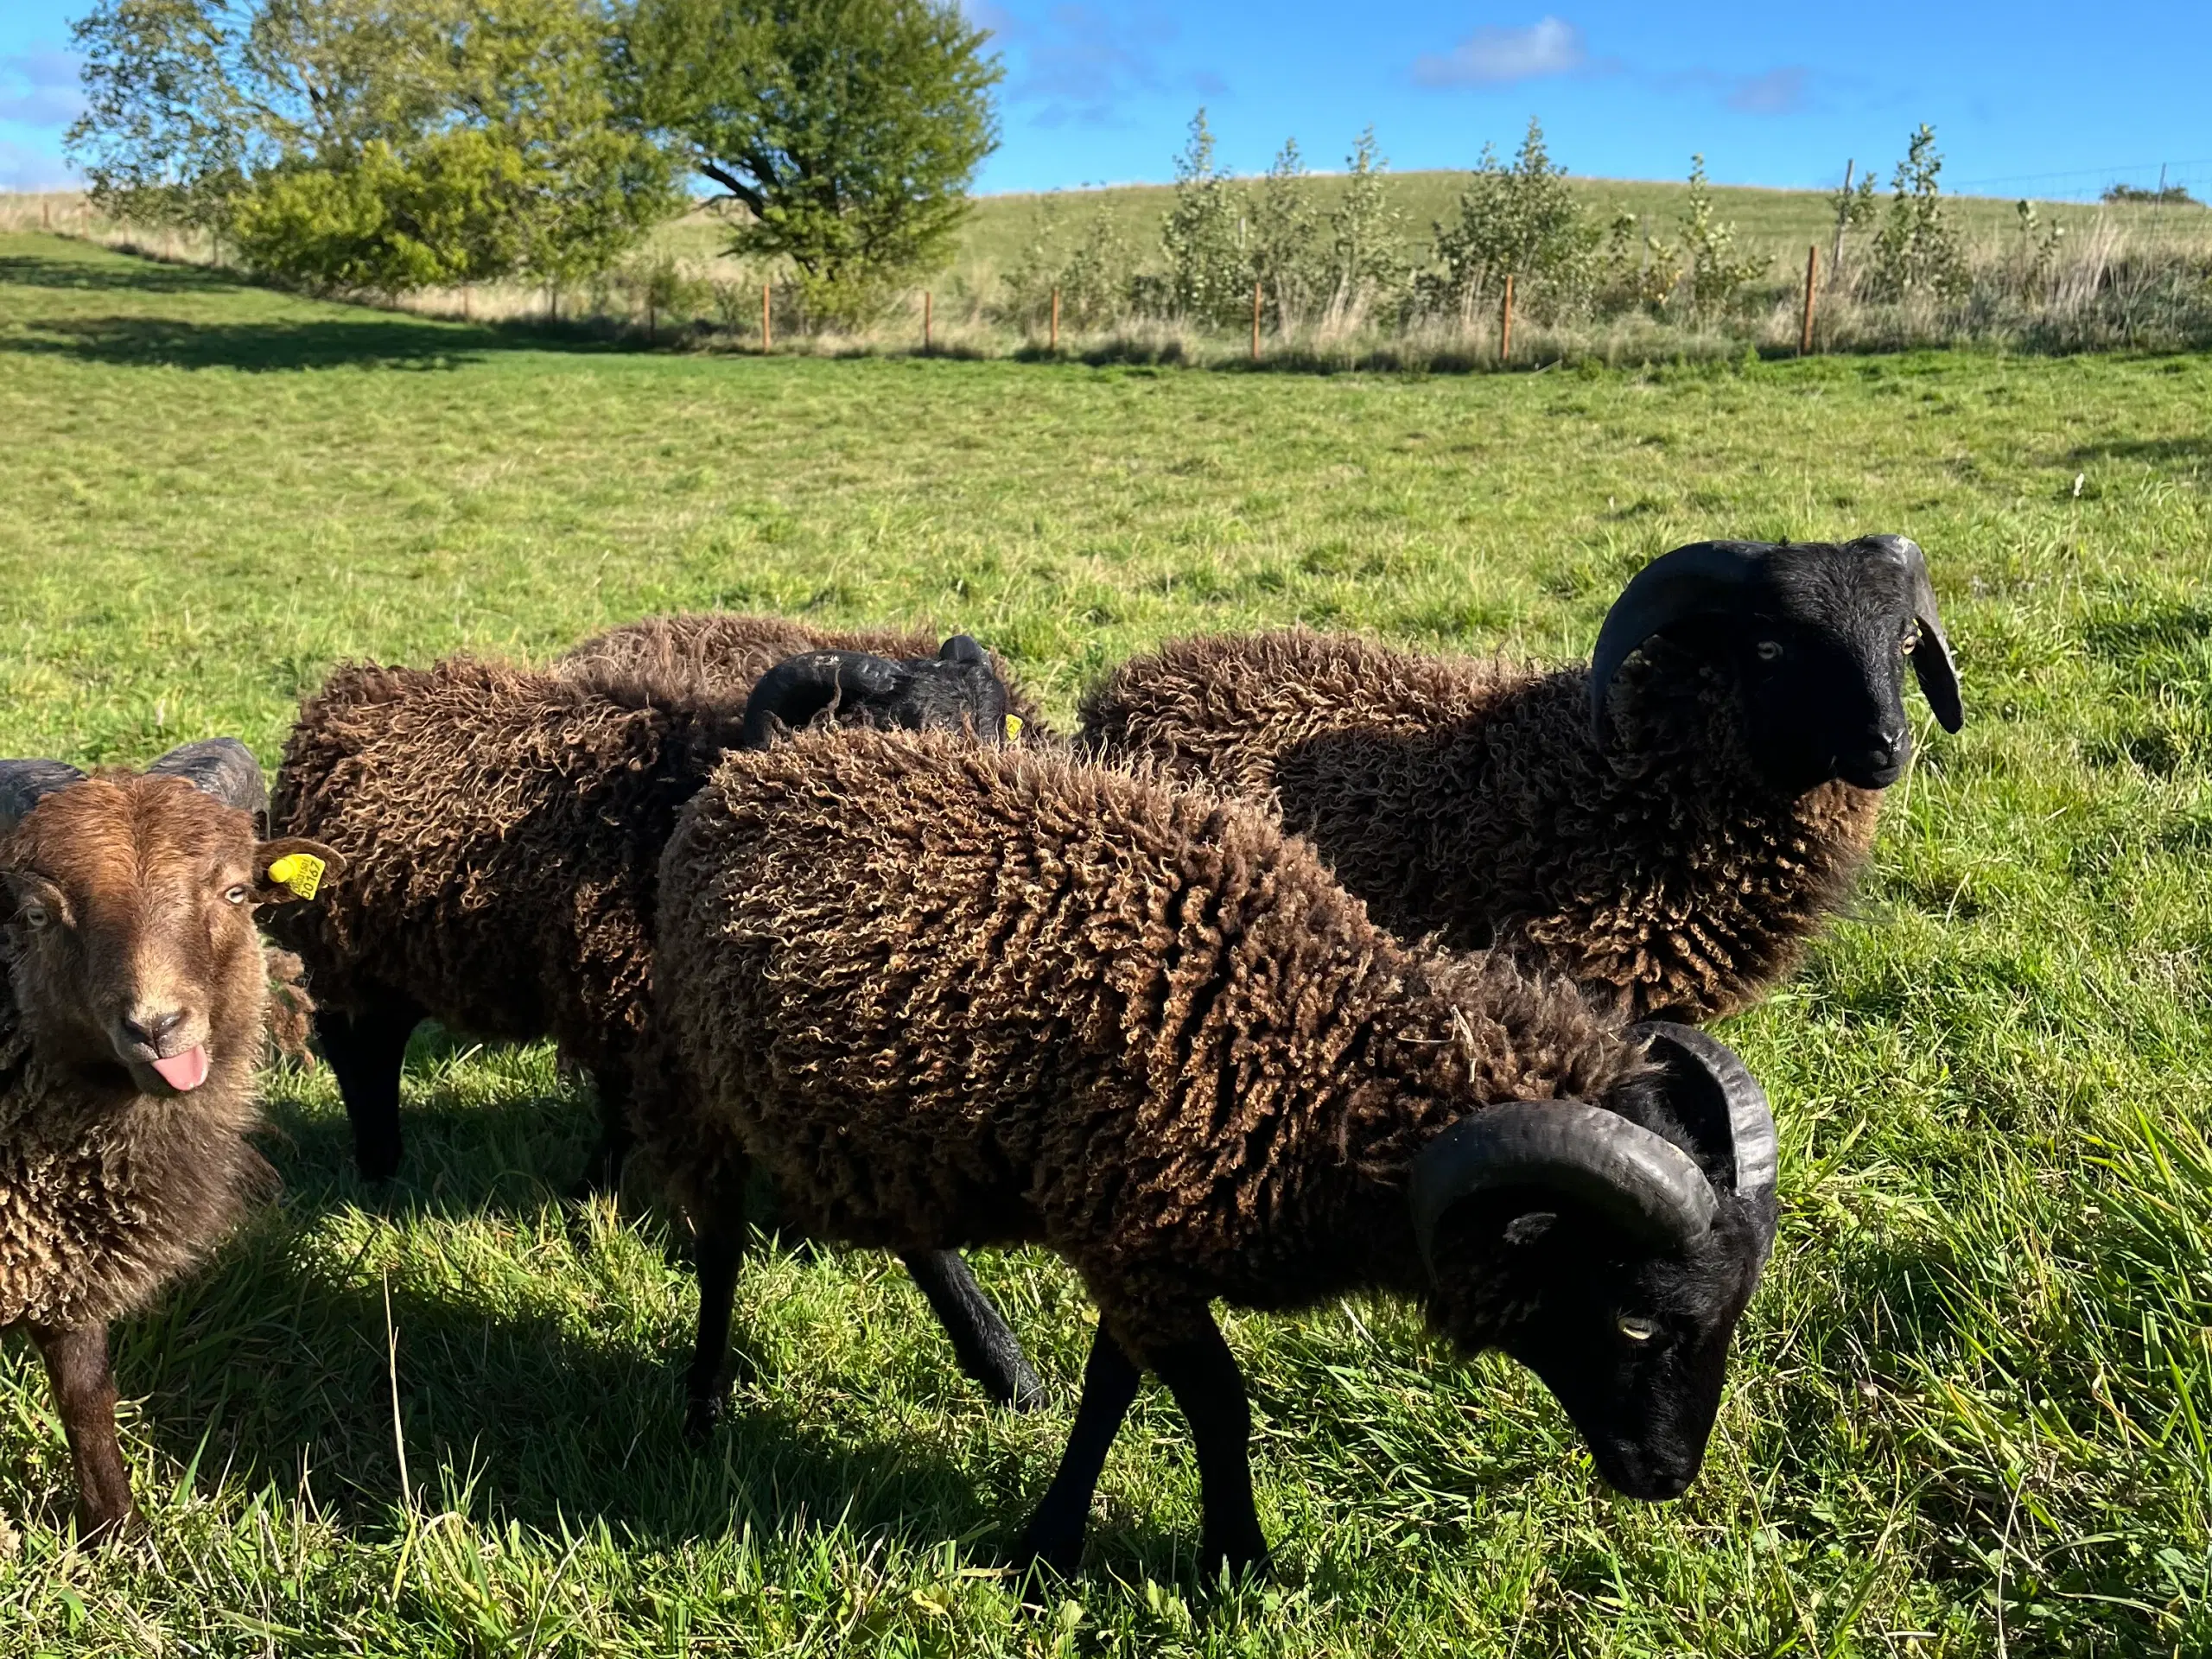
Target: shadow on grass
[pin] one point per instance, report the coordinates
(373, 342)
(114, 276)
(2194, 452)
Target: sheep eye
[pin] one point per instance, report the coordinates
(1911, 642)
(34, 914)
(1635, 1329)
(237, 895)
(1769, 650)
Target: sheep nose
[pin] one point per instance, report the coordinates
(149, 1028)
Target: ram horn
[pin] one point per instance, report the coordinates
(1718, 1099)
(962, 648)
(221, 766)
(1931, 654)
(790, 694)
(23, 783)
(1691, 581)
(1645, 1183)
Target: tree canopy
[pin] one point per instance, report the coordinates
(357, 143)
(847, 130)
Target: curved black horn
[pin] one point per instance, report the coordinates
(795, 691)
(1642, 1182)
(221, 766)
(1931, 659)
(1720, 1101)
(961, 648)
(1688, 581)
(23, 783)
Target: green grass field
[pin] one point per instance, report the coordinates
(1970, 1407)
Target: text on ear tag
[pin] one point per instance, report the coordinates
(301, 872)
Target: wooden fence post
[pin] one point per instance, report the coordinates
(925, 322)
(1056, 319)
(1505, 322)
(767, 339)
(1842, 213)
(1812, 279)
(45, 215)
(1255, 323)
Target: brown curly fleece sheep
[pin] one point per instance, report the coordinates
(727, 652)
(133, 1009)
(946, 994)
(1470, 799)
(505, 828)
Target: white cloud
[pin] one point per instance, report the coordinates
(38, 88)
(1497, 57)
(1778, 91)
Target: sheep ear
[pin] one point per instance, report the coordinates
(1641, 1181)
(23, 783)
(293, 868)
(961, 649)
(790, 694)
(221, 766)
(1693, 580)
(1931, 658)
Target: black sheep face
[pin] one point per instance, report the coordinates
(956, 690)
(1633, 1346)
(1819, 654)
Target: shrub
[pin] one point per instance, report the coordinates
(1520, 220)
(1205, 278)
(1366, 263)
(1917, 249)
(1717, 276)
(1283, 245)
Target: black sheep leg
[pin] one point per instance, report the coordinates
(84, 1393)
(1054, 1536)
(603, 1170)
(1202, 1375)
(988, 1351)
(719, 1252)
(367, 1049)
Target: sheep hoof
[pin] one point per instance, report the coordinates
(1053, 1549)
(1240, 1560)
(1017, 1389)
(97, 1528)
(701, 1417)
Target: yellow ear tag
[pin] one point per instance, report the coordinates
(1013, 727)
(301, 872)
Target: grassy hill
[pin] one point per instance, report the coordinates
(1966, 1413)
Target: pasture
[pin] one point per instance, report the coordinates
(1970, 1408)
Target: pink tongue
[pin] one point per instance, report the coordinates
(184, 1071)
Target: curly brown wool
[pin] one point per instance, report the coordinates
(1030, 1001)
(503, 829)
(122, 898)
(727, 652)
(1468, 798)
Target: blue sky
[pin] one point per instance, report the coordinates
(2030, 98)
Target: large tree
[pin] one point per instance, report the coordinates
(364, 143)
(847, 130)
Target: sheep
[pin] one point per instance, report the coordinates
(727, 652)
(134, 993)
(951, 996)
(1669, 827)
(505, 827)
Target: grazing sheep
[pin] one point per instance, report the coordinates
(505, 828)
(727, 653)
(1668, 828)
(952, 996)
(134, 997)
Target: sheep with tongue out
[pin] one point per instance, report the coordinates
(134, 999)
